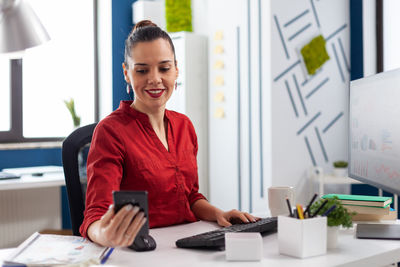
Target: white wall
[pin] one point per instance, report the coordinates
(369, 36)
(242, 164)
(105, 57)
(391, 38)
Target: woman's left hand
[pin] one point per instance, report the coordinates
(227, 218)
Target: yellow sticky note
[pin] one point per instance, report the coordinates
(219, 49)
(219, 97)
(219, 80)
(218, 36)
(219, 64)
(219, 113)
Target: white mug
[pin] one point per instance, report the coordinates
(277, 199)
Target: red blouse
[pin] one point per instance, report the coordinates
(126, 154)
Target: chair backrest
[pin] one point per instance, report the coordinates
(70, 150)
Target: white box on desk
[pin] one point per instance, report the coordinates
(302, 238)
(243, 246)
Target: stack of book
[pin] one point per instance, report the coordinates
(368, 208)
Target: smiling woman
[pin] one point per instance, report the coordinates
(143, 146)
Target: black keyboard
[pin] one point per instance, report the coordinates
(216, 238)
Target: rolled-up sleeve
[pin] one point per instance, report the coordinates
(104, 173)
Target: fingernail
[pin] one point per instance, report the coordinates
(128, 207)
(136, 209)
(110, 207)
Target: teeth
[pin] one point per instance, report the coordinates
(155, 91)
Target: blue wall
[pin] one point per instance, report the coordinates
(121, 27)
(356, 40)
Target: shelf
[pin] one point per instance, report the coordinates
(330, 179)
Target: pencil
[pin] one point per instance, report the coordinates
(326, 213)
(105, 258)
(300, 211)
(289, 207)
(320, 207)
(309, 205)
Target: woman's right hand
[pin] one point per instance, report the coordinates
(117, 230)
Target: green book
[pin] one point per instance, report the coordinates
(361, 200)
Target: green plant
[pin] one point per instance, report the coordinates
(340, 164)
(178, 15)
(339, 216)
(71, 108)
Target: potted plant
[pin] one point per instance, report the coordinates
(70, 104)
(340, 216)
(340, 168)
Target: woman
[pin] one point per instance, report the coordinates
(143, 146)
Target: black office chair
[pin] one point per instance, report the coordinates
(72, 146)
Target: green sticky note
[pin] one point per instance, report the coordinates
(314, 54)
(178, 15)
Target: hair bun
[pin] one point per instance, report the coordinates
(144, 23)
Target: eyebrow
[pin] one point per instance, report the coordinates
(161, 62)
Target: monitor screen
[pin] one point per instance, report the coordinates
(374, 132)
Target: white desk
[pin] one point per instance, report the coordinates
(29, 181)
(29, 204)
(350, 252)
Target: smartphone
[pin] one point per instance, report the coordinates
(136, 198)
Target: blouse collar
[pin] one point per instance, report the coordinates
(125, 106)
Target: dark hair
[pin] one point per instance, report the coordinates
(145, 31)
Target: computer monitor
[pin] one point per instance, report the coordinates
(374, 131)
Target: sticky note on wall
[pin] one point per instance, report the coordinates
(219, 97)
(219, 80)
(218, 36)
(219, 64)
(219, 49)
(219, 113)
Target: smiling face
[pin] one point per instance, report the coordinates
(152, 74)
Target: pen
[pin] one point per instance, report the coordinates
(105, 258)
(300, 211)
(309, 205)
(289, 207)
(295, 214)
(329, 210)
(320, 207)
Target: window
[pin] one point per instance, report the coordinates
(5, 95)
(58, 70)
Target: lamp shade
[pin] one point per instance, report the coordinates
(20, 28)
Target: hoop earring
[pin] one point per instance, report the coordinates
(176, 85)
(128, 88)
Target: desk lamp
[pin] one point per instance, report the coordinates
(20, 28)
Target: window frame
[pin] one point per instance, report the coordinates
(15, 134)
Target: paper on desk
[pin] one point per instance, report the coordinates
(49, 250)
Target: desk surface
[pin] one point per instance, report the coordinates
(29, 181)
(350, 251)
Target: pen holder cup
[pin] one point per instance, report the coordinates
(302, 238)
